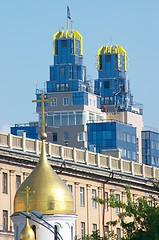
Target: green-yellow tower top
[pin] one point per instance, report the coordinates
(74, 34)
(112, 49)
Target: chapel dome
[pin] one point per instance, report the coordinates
(48, 194)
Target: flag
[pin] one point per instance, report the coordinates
(68, 13)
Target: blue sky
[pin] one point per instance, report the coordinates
(26, 28)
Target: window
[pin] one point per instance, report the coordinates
(118, 233)
(137, 144)
(5, 183)
(134, 155)
(106, 228)
(81, 136)
(129, 154)
(71, 118)
(82, 230)
(149, 203)
(117, 196)
(66, 136)
(5, 220)
(57, 121)
(108, 58)
(62, 87)
(54, 137)
(133, 139)
(18, 181)
(66, 101)
(106, 84)
(53, 102)
(128, 138)
(64, 118)
(79, 118)
(91, 116)
(106, 201)
(49, 120)
(94, 227)
(94, 204)
(82, 202)
(64, 43)
(70, 187)
(153, 159)
(62, 71)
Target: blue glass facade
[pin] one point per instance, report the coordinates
(150, 148)
(112, 83)
(113, 135)
(68, 72)
(28, 130)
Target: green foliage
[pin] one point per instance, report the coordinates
(138, 220)
(95, 236)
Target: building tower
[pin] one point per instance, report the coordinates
(68, 72)
(112, 84)
(73, 102)
(74, 105)
(45, 192)
(113, 87)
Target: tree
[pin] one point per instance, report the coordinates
(138, 220)
(95, 236)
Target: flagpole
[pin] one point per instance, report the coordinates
(71, 25)
(68, 18)
(66, 23)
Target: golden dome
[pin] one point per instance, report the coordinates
(27, 233)
(48, 194)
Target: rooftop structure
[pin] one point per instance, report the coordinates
(74, 102)
(112, 84)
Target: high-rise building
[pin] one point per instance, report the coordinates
(73, 102)
(113, 87)
(79, 108)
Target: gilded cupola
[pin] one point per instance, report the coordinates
(48, 194)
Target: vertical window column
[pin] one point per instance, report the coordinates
(94, 195)
(18, 181)
(106, 201)
(5, 220)
(117, 196)
(100, 208)
(82, 230)
(118, 233)
(82, 196)
(11, 192)
(5, 183)
(76, 199)
(88, 206)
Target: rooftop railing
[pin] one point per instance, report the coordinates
(79, 156)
